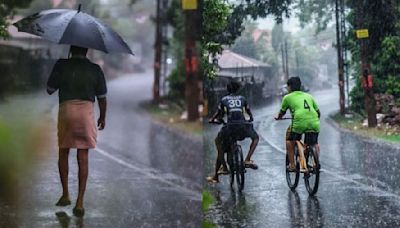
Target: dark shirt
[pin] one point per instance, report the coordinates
(77, 79)
(234, 107)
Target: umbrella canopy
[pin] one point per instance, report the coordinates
(73, 27)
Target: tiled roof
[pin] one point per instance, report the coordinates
(229, 59)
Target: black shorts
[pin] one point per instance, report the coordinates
(310, 138)
(236, 132)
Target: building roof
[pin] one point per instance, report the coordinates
(230, 59)
(258, 33)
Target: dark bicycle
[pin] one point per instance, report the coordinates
(235, 156)
(307, 162)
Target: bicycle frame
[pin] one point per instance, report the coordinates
(301, 148)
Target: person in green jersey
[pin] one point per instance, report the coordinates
(305, 118)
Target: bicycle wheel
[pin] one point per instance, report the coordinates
(311, 178)
(292, 178)
(240, 168)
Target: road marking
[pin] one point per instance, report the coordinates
(150, 175)
(329, 172)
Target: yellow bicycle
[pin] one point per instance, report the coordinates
(306, 162)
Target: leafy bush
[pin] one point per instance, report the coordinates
(388, 66)
(386, 72)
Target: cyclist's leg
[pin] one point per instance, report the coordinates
(250, 132)
(291, 138)
(311, 138)
(316, 143)
(223, 142)
(317, 149)
(219, 142)
(220, 154)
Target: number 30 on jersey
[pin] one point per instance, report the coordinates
(235, 103)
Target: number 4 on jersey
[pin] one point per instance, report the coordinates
(306, 106)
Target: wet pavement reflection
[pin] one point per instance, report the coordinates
(358, 186)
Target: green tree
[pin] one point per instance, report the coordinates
(382, 20)
(246, 45)
(319, 11)
(215, 21)
(388, 67)
(223, 24)
(176, 79)
(7, 9)
(277, 36)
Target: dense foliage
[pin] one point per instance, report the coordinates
(223, 23)
(7, 9)
(176, 80)
(215, 22)
(382, 20)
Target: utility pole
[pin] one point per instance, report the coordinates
(164, 48)
(157, 56)
(340, 61)
(283, 64)
(192, 91)
(344, 49)
(287, 60)
(362, 35)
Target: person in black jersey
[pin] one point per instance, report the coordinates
(234, 106)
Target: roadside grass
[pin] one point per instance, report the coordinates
(24, 133)
(354, 124)
(208, 199)
(170, 114)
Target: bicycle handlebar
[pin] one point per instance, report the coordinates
(214, 121)
(285, 118)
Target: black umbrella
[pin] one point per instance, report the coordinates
(73, 27)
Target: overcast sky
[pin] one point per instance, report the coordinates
(289, 24)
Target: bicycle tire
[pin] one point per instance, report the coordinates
(240, 168)
(311, 179)
(292, 178)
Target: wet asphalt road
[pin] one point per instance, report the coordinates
(139, 175)
(359, 183)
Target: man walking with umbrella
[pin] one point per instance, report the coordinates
(79, 81)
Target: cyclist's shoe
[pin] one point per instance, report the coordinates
(303, 170)
(291, 169)
(212, 180)
(223, 171)
(250, 164)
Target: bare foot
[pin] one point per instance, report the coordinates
(63, 201)
(212, 179)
